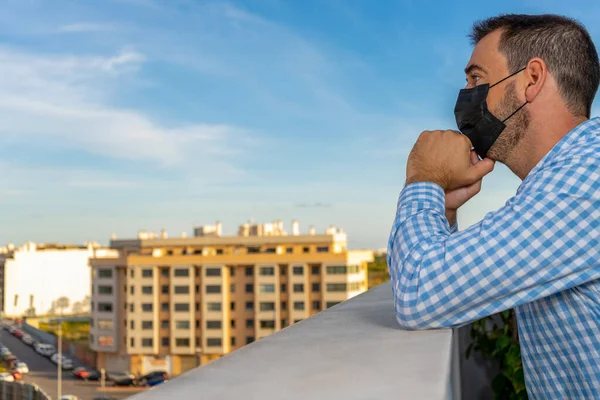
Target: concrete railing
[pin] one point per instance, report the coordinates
(354, 350)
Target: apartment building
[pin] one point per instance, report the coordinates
(161, 303)
(34, 275)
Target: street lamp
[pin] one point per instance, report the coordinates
(61, 304)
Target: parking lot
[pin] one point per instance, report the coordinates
(44, 373)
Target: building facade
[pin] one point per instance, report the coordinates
(33, 276)
(171, 304)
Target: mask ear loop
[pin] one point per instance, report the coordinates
(516, 111)
(511, 75)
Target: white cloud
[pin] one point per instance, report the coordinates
(65, 100)
(85, 27)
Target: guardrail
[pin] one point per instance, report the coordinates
(21, 391)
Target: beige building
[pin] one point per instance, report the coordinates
(171, 304)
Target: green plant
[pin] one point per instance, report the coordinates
(500, 342)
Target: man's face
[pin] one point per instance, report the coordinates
(488, 65)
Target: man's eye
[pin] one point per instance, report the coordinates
(475, 78)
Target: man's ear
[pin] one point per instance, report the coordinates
(536, 73)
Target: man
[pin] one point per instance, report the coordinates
(531, 81)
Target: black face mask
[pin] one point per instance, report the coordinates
(474, 119)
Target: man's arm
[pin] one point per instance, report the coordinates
(538, 244)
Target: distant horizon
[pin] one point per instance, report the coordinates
(123, 114)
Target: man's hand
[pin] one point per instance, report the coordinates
(444, 157)
(435, 160)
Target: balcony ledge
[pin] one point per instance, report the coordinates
(354, 350)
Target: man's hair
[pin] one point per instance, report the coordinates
(563, 43)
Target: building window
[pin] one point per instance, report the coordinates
(267, 306)
(213, 271)
(249, 271)
(231, 271)
(197, 288)
(182, 324)
(249, 339)
(267, 324)
(197, 341)
(249, 323)
(164, 289)
(214, 342)
(267, 288)
(284, 305)
(181, 272)
(147, 342)
(131, 289)
(232, 288)
(197, 307)
(164, 324)
(132, 342)
(164, 307)
(298, 270)
(146, 289)
(323, 249)
(267, 271)
(213, 325)
(233, 323)
(219, 253)
(105, 324)
(339, 270)
(232, 306)
(284, 322)
(182, 289)
(131, 307)
(146, 273)
(298, 305)
(283, 288)
(105, 340)
(105, 307)
(213, 289)
(213, 306)
(147, 307)
(164, 272)
(197, 324)
(147, 325)
(315, 270)
(249, 288)
(249, 306)
(298, 287)
(198, 252)
(271, 250)
(316, 287)
(104, 273)
(165, 341)
(337, 287)
(182, 342)
(305, 249)
(103, 289)
(332, 303)
(253, 250)
(233, 341)
(132, 324)
(282, 270)
(289, 250)
(182, 307)
(316, 305)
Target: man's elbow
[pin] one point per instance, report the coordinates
(412, 319)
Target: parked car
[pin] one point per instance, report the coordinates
(27, 339)
(124, 382)
(80, 373)
(93, 376)
(119, 375)
(155, 381)
(13, 363)
(3, 351)
(66, 363)
(8, 358)
(45, 349)
(155, 375)
(17, 375)
(21, 367)
(12, 329)
(7, 377)
(18, 333)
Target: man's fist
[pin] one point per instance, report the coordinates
(444, 157)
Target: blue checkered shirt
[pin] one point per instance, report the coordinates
(539, 254)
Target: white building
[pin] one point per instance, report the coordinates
(34, 276)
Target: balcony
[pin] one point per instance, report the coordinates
(354, 350)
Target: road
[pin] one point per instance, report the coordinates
(44, 373)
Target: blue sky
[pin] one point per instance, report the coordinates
(120, 115)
